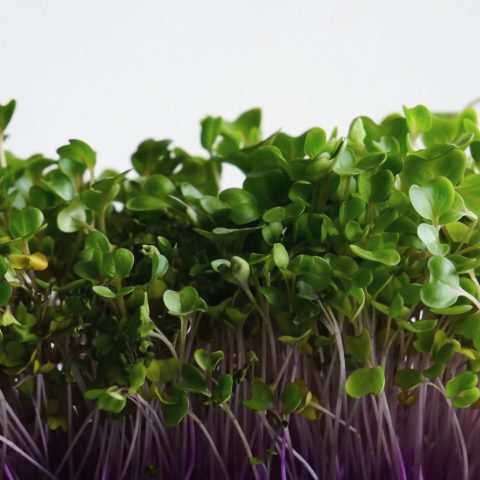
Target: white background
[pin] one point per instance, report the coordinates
(113, 72)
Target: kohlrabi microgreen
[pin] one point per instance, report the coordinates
(322, 321)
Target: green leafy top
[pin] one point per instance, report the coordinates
(326, 234)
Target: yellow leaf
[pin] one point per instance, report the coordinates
(38, 261)
(19, 262)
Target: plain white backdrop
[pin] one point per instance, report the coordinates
(114, 72)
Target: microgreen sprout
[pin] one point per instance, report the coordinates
(322, 321)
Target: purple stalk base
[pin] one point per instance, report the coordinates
(371, 438)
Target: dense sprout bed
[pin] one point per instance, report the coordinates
(320, 322)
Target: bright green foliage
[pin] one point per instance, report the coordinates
(184, 302)
(25, 222)
(364, 381)
(208, 361)
(434, 199)
(463, 389)
(144, 280)
(223, 390)
(111, 401)
(291, 398)
(193, 380)
(261, 396)
(175, 408)
(6, 113)
(443, 287)
(163, 370)
(280, 256)
(79, 152)
(359, 347)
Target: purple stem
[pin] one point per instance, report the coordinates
(283, 463)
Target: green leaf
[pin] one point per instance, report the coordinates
(123, 259)
(78, 151)
(208, 361)
(223, 390)
(111, 401)
(376, 186)
(364, 381)
(5, 293)
(275, 214)
(73, 217)
(261, 396)
(145, 203)
(94, 393)
(193, 380)
(158, 186)
(372, 160)
(174, 412)
(419, 119)
(280, 256)
(315, 142)
(434, 199)
(351, 209)
(461, 382)
(346, 164)
(3, 266)
(469, 327)
(102, 291)
(427, 165)
(6, 114)
(462, 389)
(56, 422)
(184, 302)
(469, 189)
(290, 340)
(8, 319)
(163, 370)
(359, 347)
(386, 256)
(418, 325)
(159, 262)
(211, 127)
(244, 213)
(408, 378)
(443, 287)
(25, 222)
(291, 398)
(136, 374)
(428, 234)
(60, 184)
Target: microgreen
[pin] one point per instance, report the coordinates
(321, 321)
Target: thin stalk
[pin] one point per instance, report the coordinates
(283, 469)
(211, 442)
(324, 410)
(283, 367)
(27, 457)
(241, 434)
(183, 337)
(268, 324)
(72, 444)
(458, 429)
(157, 333)
(133, 444)
(4, 417)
